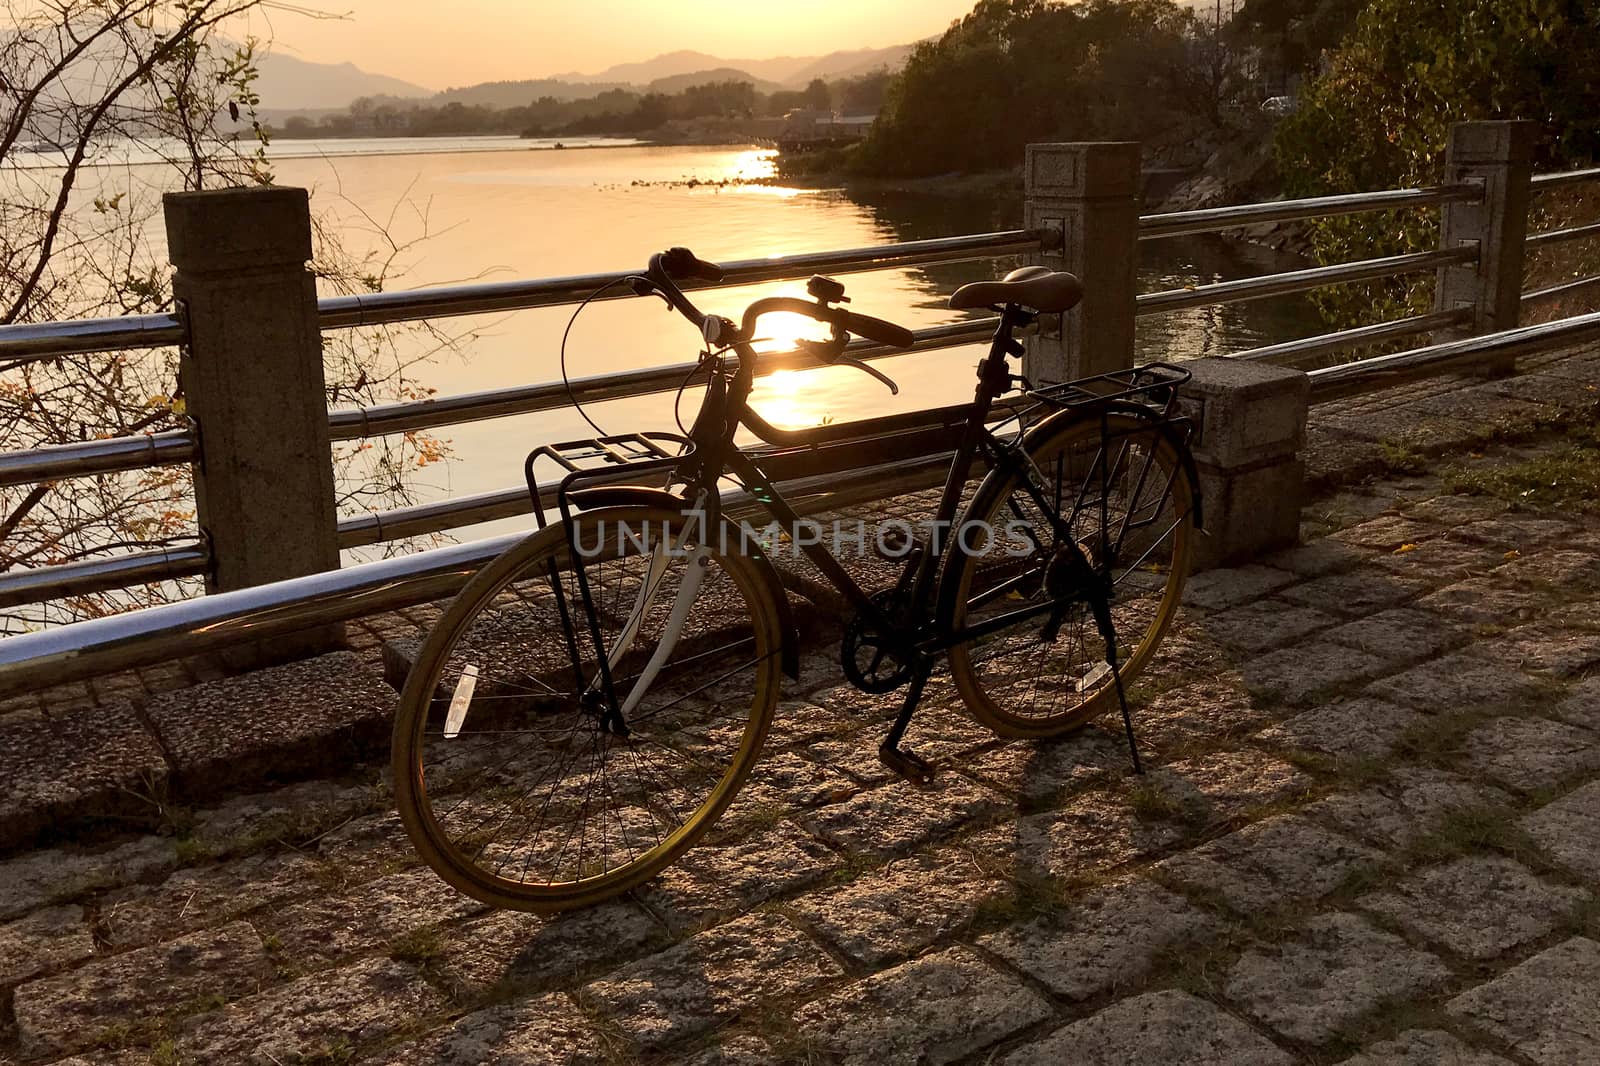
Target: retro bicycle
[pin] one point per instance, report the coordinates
(593, 699)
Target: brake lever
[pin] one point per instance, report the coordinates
(644, 287)
(894, 390)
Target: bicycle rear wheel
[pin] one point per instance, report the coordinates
(1128, 505)
(513, 780)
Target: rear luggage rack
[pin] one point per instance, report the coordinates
(1154, 385)
(599, 460)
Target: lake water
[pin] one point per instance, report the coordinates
(499, 215)
(497, 209)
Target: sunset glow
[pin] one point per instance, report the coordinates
(483, 40)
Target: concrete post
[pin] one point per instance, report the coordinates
(253, 382)
(1090, 194)
(1498, 156)
(1250, 422)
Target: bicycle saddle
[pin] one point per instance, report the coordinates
(1037, 288)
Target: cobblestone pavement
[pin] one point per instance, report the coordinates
(1368, 836)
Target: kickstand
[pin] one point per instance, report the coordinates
(1108, 633)
(912, 767)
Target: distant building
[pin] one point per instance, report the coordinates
(805, 129)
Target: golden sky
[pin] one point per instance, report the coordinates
(440, 43)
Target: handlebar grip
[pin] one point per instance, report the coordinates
(682, 263)
(876, 329)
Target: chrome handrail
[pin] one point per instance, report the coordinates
(1260, 288)
(1557, 236)
(86, 458)
(90, 576)
(1382, 371)
(1557, 292)
(341, 312)
(1213, 219)
(1357, 337)
(1565, 177)
(31, 342)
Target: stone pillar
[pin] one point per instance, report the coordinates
(1499, 157)
(253, 383)
(1090, 194)
(1250, 424)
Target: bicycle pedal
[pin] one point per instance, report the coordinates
(912, 767)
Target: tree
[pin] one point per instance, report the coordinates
(818, 96)
(1379, 117)
(152, 81)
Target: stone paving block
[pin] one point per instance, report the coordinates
(1387, 532)
(1263, 625)
(1582, 705)
(1410, 805)
(289, 721)
(1529, 754)
(1440, 560)
(332, 926)
(1425, 1047)
(1092, 833)
(1462, 681)
(1485, 600)
(1359, 728)
(935, 1010)
(797, 722)
(506, 951)
(548, 1031)
(325, 1017)
(1545, 1008)
(1108, 940)
(1563, 571)
(206, 895)
(1217, 590)
(1399, 635)
(898, 910)
(1336, 969)
(1514, 532)
(713, 880)
(1273, 863)
(34, 879)
(782, 782)
(1200, 715)
(734, 1049)
(1539, 649)
(1318, 558)
(1459, 510)
(710, 978)
(1224, 784)
(1479, 907)
(1305, 673)
(72, 766)
(1569, 830)
(366, 847)
(292, 813)
(901, 816)
(45, 940)
(1166, 1027)
(1356, 593)
(66, 1011)
(1044, 769)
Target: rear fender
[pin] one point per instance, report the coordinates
(645, 496)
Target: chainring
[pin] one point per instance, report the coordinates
(869, 663)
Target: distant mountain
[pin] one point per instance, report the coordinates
(790, 72)
(290, 84)
(679, 82)
(501, 94)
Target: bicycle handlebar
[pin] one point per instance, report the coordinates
(665, 267)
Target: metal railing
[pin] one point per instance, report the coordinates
(362, 589)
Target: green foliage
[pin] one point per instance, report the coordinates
(1379, 116)
(1017, 71)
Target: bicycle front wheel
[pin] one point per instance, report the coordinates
(1115, 498)
(516, 778)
